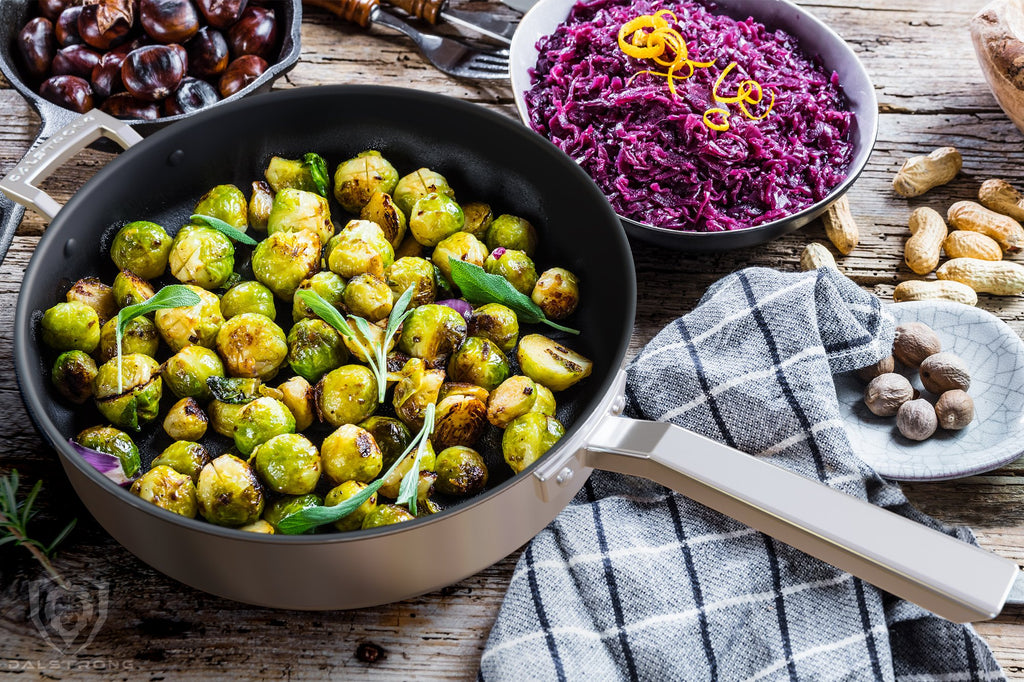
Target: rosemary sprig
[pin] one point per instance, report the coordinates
(14, 517)
(377, 354)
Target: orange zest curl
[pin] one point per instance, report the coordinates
(651, 36)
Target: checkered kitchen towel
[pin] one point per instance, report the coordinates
(634, 582)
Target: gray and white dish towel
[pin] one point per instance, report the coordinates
(633, 582)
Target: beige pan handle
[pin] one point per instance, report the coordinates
(953, 579)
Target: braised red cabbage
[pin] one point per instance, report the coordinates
(651, 153)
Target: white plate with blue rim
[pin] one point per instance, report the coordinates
(994, 355)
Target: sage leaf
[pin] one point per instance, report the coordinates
(317, 171)
(227, 230)
(479, 286)
(410, 482)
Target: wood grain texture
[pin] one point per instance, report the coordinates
(931, 93)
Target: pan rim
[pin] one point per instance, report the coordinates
(23, 322)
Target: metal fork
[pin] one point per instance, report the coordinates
(448, 55)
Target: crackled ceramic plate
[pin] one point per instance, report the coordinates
(995, 356)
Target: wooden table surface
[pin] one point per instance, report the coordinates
(931, 93)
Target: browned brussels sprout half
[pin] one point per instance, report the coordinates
(168, 489)
(356, 180)
(229, 493)
(73, 374)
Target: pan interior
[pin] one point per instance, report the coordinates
(485, 157)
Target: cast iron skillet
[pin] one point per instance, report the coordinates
(14, 14)
(491, 158)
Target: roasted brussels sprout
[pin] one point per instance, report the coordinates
(432, 331)
(515, 266)
(390, 435)
(167, 489)
(513, 398)
(202, 256)
(73, 374)
(229, 493)
(297, 396)
(361, 247)
(258, 526)
(478, 219)
(248, 297)
(381, 209)
(351, 454)
(545, 402)
(71, 326)
(460, 471)
(557, 293)
(479, 361)
(359, 343)
(496, 322)
(460, 246)
(96, 295)
(277, 510)
(434, 217)
(113, 442)
(195, 325)
(356, 180)
(410, 248)
(224, 416)
(137, 400)
(139, 337)
(460, 420)
(393, 481)
(283, 260)
(418, 184)
(295, 210)
(512, 232)
(130, 289)
(225, 202)
(368, 297)
(260, 203)
(252, 345)
(315, 348)
(142, 247)
(347, 395)
(412, 272)
(309, 174)
(386, 515)
(417, 387)
(288, 463)
(550, 363)
(185, 420)
(259, 421)
(528, 437)
(450, 388)
(187, 372)
(185, 457)
(327, 284)
(345, 491)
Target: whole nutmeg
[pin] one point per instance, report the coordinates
(944, 372)
(886, 393)
(955, 410)
(914, 342)
(883, 366)
(916, 419)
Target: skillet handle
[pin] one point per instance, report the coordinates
(41, 162)
(953, 579)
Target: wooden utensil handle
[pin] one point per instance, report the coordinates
(357, 11)
(428, 10)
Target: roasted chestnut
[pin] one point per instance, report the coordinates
(36, 46)
(168, 21)
(106, 76)
(191, 95)
(70, 92)
(221, 13)
(105, 25)
(123, 105)
(66, 27)
(152, 72)
(207, 53)
(75, 60)
(51, 9)
(254, 33)
(240, 73)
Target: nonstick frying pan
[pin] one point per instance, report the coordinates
(491, 158)
(14, 14)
